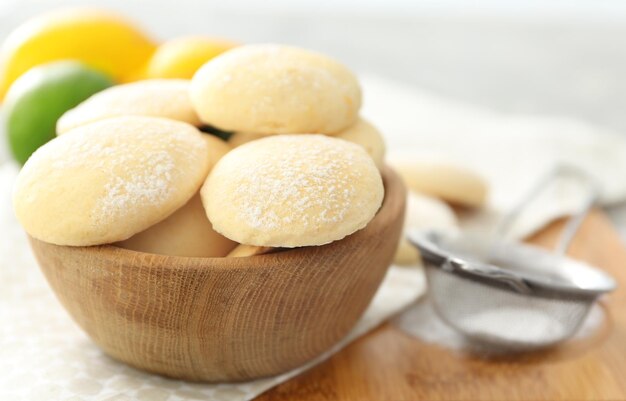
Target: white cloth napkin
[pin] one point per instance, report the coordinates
(45, 356)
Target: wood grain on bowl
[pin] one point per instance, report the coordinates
(225, 319)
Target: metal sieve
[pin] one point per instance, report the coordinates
(509, 296)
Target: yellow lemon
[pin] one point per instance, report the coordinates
(101, 39)
(182, 57)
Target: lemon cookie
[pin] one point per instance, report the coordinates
(292, 190)
(367, 136)
(187, 232)
(362, 133)
(167, 98)
(217, 148)
(106, 181)
(274, 89)
(451, 183)
(423, 212)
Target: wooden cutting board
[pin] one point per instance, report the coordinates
(388, 364)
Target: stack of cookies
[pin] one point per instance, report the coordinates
(145, 165)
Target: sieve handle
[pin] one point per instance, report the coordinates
(574, 222)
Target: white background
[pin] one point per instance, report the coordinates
(555, 57)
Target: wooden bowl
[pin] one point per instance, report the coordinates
(225, 319)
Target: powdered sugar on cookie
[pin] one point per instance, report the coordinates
(105, 181)
(291, 190)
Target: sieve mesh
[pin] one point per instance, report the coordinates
(508, 295)
(502, 317)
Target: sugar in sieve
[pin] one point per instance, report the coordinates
(510, 296)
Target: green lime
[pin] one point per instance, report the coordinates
(40, 96)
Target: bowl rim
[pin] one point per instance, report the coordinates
(393, 204)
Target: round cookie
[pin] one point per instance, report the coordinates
(187, 232)
(217, 148)
(453, 184)
(366, 135)
(362, 133)
(167, 98)
(423, 212)
(292, 190)
(274, 89)
(106, 181)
